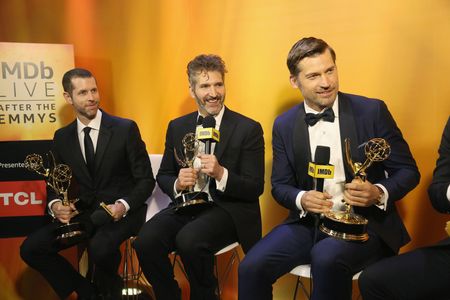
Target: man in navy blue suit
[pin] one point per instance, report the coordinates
(297, 241)
(423, 273)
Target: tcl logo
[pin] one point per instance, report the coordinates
(22, 198)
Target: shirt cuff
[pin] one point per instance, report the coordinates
(448, 192)
(384, 198)
(222, 184)
(175, 192)
(127, 206)
(298, 202)
(50, 211)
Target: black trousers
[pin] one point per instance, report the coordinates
(41, 252)
(195, 237)
(420, 274)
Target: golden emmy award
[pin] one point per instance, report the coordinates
(57, 177)
(345, 224)
(189, 200)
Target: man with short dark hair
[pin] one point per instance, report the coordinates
(326, 118)
(424, 273)
(235, 167)
(110, 164)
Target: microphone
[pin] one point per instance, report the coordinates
(208, 134)
(320, 169)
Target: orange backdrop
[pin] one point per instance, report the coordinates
(138, 50)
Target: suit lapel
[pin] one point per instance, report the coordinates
(347, 126)
(104, 137)
(226, 129)
(73, 144)
(302, 149)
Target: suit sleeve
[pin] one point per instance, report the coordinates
(400, 167)
(247, 182)
(140, 167)
(284, 184)
(168, 171)
(441, 175)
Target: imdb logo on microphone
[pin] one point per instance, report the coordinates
(320, 171)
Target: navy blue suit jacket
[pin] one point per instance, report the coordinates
(241, 151)
(360, 119)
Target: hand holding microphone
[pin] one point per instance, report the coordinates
(209, 135)
(317, 201)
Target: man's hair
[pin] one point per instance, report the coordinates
(205, 63)
(74, 73)
(306, 47)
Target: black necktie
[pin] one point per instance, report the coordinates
(89, 150)
(327, 115)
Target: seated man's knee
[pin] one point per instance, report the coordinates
(26, 251)
(324, 259)
(187, 245)
(147, 244)
(253, 266)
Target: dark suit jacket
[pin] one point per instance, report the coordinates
(241, 151)
(441, 177)
(122, 165)
(360, 119)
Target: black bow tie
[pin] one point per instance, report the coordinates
(327, 115)
(199, 120)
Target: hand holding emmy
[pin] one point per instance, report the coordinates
(58, 178)
(346, 224)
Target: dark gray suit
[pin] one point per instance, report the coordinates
(235, 215)
(123, 171)
(423, 273)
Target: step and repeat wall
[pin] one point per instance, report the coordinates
(31, 109)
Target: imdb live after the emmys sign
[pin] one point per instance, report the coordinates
(32, 107)
(29, 91)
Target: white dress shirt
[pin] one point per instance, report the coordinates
(327, 134)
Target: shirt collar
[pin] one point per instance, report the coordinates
(335, 108)
(94, 123)
(217, 117)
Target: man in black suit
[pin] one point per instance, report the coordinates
(110, 164)
(326, 118)
(235, 169)
(423, 273)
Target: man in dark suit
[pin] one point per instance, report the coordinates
(297, 241)
(235, 169)
(110, 164)
(423, 273)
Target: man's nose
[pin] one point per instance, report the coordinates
(324, 81)
(213, 92)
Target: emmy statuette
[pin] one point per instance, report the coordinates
(345, 224)
(189, 200)
(58, 177)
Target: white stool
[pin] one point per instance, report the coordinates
(305, 272)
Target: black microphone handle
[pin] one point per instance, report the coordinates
(322, 157)
(319, 184)
(207, 147)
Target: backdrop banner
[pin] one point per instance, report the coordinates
(31, 109)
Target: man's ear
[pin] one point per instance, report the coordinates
(294, 82)
(67, 97)
(191, 91)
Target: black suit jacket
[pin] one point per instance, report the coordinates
(360, 119)
(241, 151)
(122, 165)
(441, 177)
